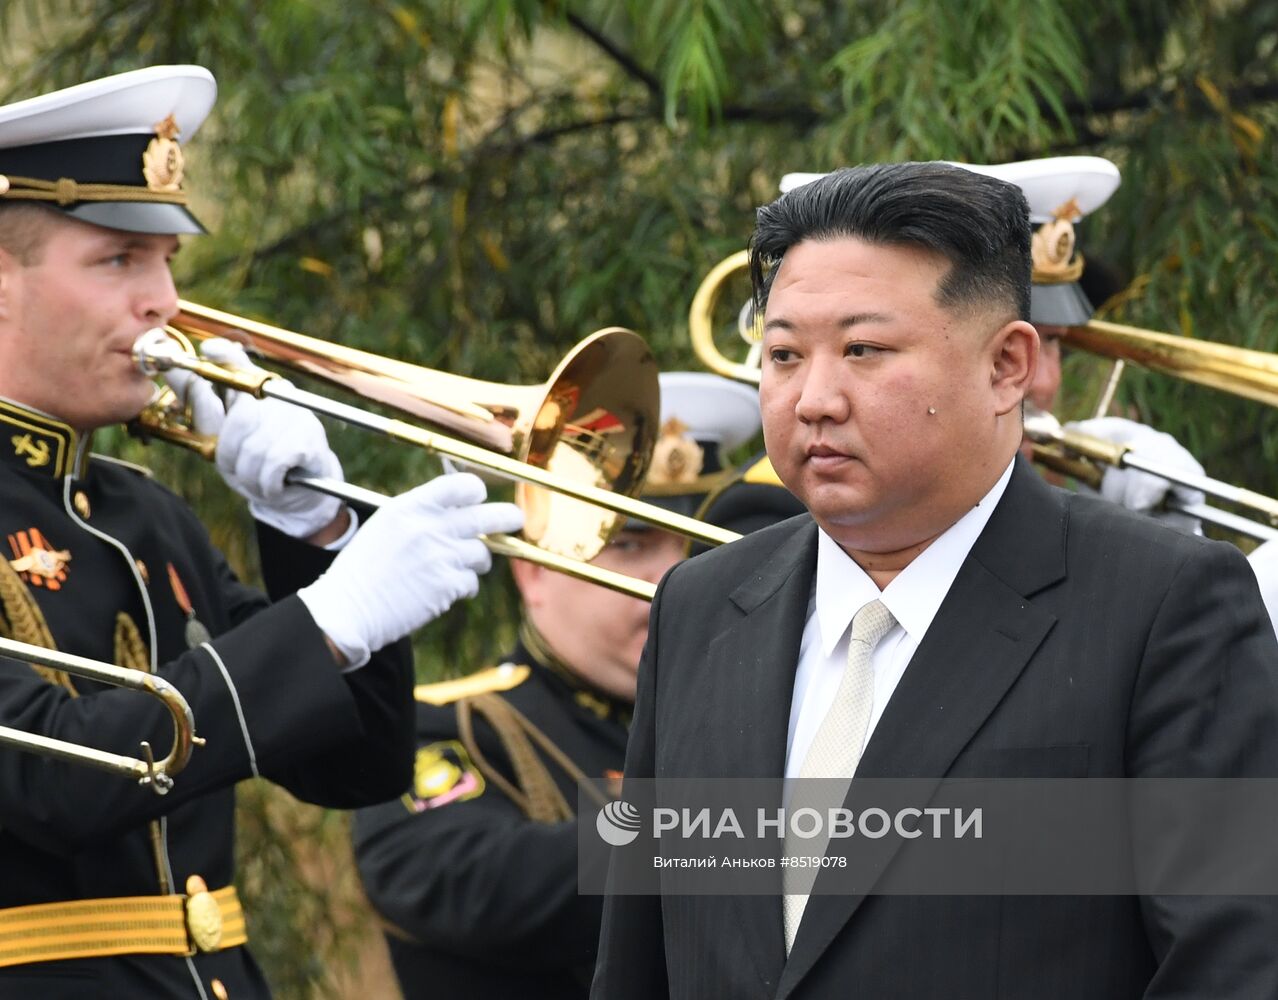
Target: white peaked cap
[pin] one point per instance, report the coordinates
(715, 409)
(1048, 183)
(1055, 181)
(125, 104)
(109, 151)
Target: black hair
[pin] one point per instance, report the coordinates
(979, 224)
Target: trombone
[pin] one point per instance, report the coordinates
(1083, 457)
(1247, 373)
(586, 434)
(165, 418)
(1238, 370)
(158, 776)
(501, 545)
(701, 323)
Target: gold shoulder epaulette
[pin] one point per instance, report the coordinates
(141, 470)
(503, 678)
(762, 472)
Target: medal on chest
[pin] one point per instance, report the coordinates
(195, 632)
(38, 562)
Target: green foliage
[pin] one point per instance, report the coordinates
(474, 185)
(940, 80)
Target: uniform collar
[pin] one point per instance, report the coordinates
(586, 696)
(39, 444)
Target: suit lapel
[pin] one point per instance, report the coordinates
(981, 639)
(757, 658)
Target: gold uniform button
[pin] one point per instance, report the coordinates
(142, 570)
(219, 990)
(81, 503)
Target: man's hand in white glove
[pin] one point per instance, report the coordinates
(413, 559)
(258, 442)
(1139, 490)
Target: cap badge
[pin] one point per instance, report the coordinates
(676, 458)
(1052, 248)
(163, 162)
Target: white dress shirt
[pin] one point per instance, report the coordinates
(841, 589)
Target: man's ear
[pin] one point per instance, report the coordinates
(528, 577)
(1014, 358)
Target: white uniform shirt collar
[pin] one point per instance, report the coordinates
(915, 595)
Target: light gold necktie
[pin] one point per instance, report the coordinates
(834, 753)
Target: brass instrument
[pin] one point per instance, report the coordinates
(1238, 370)
(1084, 458)
(157, 776)
(586, 433)
(701, 323)
(593, 422)
(501, 545)
(536, 422)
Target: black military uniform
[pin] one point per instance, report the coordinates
(475, 870)
(105, 563)
(750, 499)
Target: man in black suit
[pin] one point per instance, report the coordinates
(1030, 633)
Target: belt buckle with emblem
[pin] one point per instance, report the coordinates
(203, 916)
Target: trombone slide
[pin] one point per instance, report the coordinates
(157, 776)
(502, 545)
(157, 354)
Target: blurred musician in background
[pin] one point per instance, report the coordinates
(474, 870)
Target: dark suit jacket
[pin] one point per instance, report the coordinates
(1077, 640)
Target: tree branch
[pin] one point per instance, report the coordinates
(487, 148)
(803, 116)
(623, 59)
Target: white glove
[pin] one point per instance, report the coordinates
(413, 559)
(258, 441)
(1264, 563)
(1137, 490)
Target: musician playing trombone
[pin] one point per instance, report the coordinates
(105, 888)
(1060, 192)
